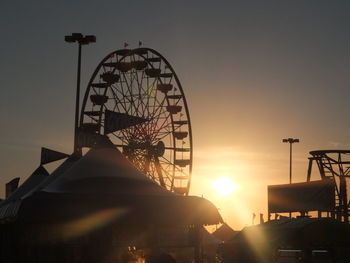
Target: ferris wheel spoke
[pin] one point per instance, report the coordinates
(132, 95)
(172, 164)
(162, 171)
(159, 171)
(128, 95)
(119, 90)
(175, 129)
(145, 93)
(160, 105)
(134, 105)
(142, 94)
(117, 100)
(138, 95)
(149, 94)
(129, 90)
(157, 111)
(162, 125)
(161, 135)
(123, 102)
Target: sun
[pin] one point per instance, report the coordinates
(224, 186)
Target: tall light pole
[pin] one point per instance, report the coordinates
(82, 40)
(290, 141)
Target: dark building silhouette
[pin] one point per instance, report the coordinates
(98, 208)
(300, 239)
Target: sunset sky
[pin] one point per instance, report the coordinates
(253, 72)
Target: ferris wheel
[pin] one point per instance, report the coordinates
(135, 98)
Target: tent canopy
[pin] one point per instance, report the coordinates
(104, 171)
(104, 181)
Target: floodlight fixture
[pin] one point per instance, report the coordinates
(90, 38)
(69, 39)
(290, 140)
(82, 40)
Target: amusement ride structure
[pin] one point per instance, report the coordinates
(135, 98)
(334, 165)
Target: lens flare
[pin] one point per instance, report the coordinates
(91, 222)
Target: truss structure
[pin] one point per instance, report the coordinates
(334, 165)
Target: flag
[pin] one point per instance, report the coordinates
(11, 186)
(126, 44)
(261, 219)
(253, 218)
(48, 155)
(116, 121)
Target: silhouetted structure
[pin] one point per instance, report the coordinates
(93, 209)
(328, 196)
(300, 239)
(334, 165)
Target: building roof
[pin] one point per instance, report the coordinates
(224, 232)
(9, 207)
(303, 230)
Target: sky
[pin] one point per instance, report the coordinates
(253, 72)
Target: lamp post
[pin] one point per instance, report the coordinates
(82, 40)
(290, 141)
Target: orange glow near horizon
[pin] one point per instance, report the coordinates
(248, 172)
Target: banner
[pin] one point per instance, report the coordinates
(115, 121)
(302, 197)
